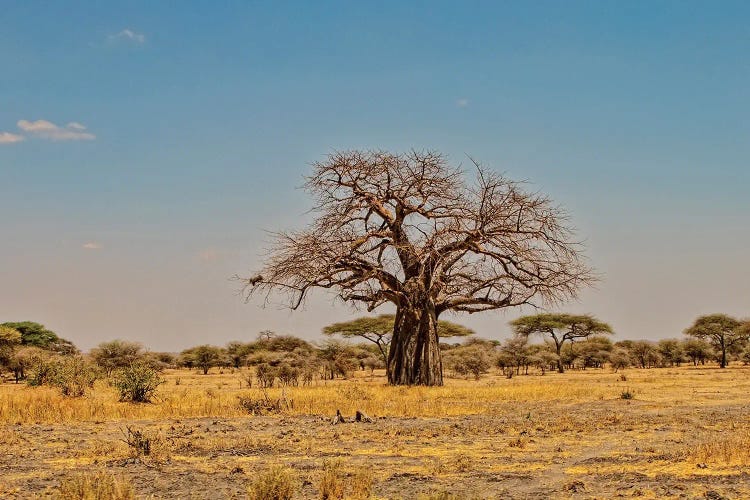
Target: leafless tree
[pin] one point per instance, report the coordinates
(409, 230)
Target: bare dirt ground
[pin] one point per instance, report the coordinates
(667, 442)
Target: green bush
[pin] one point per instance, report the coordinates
(137, 383)
(72, 375)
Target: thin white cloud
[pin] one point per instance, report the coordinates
(462, 103)
(92, 245)
(44, 129)
(8, 138)
(128, 35)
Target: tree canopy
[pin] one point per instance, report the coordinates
(722, 331)
(9, 336)
(116, 354)
(35, 334)
(410, 230)
(561, 328)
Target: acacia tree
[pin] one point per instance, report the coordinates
(35, 334)
(379, 330)
(722, 331)
(561, 328)
(116, 354)
(203, 356)
(408, 229)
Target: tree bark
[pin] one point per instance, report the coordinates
(414, 356)
(558, 347)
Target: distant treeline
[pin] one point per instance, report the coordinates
(272, 359)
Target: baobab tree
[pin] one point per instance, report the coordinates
(408, 229)
(379, 330)
(561, 328)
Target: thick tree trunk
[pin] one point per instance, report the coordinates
(414, 356)
(558, 347)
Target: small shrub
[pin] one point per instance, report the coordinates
(256, 406)
(95, 486)
(147, 447)
(264, 405)
(75, 375)
(626, 394)
(277, 483)
(435, 466)
(139, 441)
(72, 375)
(463, 463)
(137, 383)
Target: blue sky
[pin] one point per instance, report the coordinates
(200, 122)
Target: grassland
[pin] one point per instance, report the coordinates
(684, 433)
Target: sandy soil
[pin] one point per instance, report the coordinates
(604, 449)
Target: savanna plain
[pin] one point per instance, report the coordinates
(595, 433)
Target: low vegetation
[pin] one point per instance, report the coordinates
(255, 419)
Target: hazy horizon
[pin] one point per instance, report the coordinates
(144, 151)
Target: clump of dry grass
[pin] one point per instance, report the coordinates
(732, 448)
(361, 484)
(463, 462)
(277, 483)
(439, 495)
(331, 483)
(95, 486)
(335, 483)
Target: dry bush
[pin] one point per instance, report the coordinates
(435, 466)
(147, 447)
(463, 463)
(277, 483)
(95, 486)
(265, 405)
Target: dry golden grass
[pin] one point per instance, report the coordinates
(277, 483)
(95, 486)
(525, 436)
(216, 395)
(732, 447)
